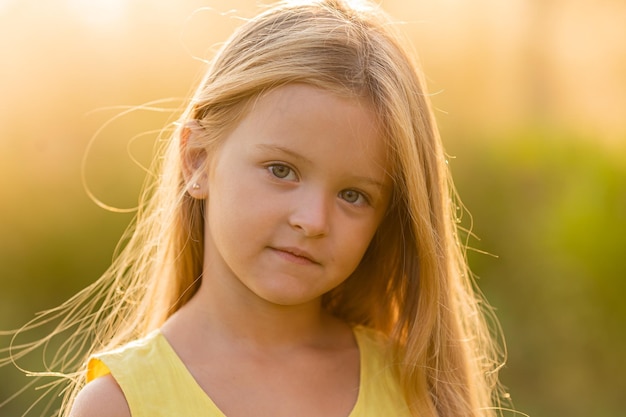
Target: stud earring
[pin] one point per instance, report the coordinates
(195, 186)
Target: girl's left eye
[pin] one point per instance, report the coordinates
(282, 172)
(353, 197)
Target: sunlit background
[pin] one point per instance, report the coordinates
(531, 101)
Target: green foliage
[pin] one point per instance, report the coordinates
(552, 208)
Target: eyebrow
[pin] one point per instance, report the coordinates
(373, 182)
(282, 149)
(277, 148)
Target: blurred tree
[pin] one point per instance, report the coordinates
(553, 209)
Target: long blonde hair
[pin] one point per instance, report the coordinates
(412, 284)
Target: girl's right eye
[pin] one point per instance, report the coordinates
(282, 172)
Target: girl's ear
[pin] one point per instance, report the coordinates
(194, 156)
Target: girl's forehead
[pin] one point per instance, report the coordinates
(308, 108)
(315, 123)
(309, 103)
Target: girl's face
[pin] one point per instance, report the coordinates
(295, 194)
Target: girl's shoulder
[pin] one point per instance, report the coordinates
(101, 397)
(380, 391)
(376, 353)
(372, 341)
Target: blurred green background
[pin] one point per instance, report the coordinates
(531, 101)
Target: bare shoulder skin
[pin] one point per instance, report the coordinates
(102, 397)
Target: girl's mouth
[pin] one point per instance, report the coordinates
(295, 255)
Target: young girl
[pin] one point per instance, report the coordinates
(298, 254)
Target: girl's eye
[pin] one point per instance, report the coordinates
(353, 197)
(282, 172)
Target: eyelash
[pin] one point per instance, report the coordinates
(360, 194)
(273, 167)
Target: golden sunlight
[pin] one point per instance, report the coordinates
(100, 14)
(529, 94)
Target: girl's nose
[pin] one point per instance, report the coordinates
(311, 215)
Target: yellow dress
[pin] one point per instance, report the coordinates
(156, 383)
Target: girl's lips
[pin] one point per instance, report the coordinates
(295, 255)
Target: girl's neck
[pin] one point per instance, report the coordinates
(248, 322)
